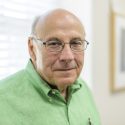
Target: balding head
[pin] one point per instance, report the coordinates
(59, 16)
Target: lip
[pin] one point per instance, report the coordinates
(64, 69)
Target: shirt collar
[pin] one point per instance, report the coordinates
(75, 86)
(36, 80)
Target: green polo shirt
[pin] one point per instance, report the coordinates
(26, 99)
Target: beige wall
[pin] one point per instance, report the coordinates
(111, 106)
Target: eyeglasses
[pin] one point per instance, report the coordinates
(55, 45)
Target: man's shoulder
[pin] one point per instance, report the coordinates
(12, 81)
(11, 89)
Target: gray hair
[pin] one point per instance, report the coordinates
(33, 29)
(36, 20)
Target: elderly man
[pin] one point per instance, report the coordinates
(48, 91)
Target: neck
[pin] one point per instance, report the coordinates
(64, 93)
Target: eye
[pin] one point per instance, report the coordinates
(53, 43)
(76, 42)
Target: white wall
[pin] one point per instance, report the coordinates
(111, 106)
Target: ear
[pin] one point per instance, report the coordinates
(31, 48)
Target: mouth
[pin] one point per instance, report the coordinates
(67, 69)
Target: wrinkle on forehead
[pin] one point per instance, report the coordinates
(59, 18)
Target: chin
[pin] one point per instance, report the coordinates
(66, 81)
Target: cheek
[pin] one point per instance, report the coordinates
(79, 60)
(47, 72)
(48, 61)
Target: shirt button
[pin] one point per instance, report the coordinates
(53, 92)
(50, 100)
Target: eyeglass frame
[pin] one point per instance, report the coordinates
(63, 44)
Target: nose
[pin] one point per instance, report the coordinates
(66, 54)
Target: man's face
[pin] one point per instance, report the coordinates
(63, 68)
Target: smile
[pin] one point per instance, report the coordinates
(65, 69)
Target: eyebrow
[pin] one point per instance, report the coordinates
(77, 38)
(54, 38)
(57, 39)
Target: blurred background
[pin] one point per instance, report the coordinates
(16, 17)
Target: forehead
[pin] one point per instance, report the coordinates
(60, 23)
